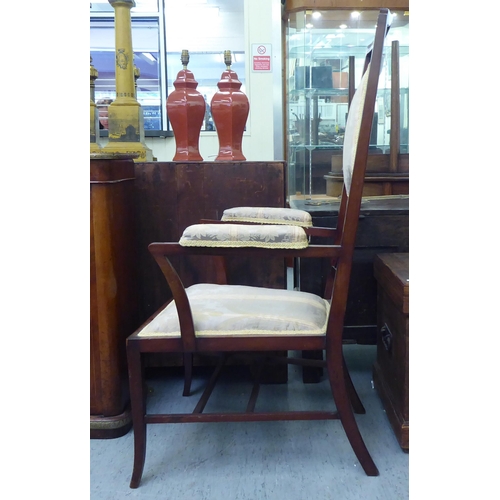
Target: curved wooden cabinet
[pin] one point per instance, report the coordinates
(113, 288)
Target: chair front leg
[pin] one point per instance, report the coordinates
(138, 407)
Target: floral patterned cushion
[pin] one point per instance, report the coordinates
(241, 235)
(234, 310)
(268, 215)
(352, 130)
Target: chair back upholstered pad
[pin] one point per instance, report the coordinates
(223, 319)
(352, 130)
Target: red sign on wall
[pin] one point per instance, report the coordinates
(261, 57)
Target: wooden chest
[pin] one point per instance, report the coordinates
(390, 371)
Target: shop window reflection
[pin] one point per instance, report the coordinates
(160, 30)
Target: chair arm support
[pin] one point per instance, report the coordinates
(324, 232)
(180, 298)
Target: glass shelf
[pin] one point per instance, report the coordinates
(316, 92)
(325, 52)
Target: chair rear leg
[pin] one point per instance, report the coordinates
(188, 373)
(339, 392)
(313, 374)
(357, 405)
(138, 407)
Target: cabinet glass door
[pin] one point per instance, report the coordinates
(325, 54)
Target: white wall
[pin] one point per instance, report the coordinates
(262, 141)
(263, 26)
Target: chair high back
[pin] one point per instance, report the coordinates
(358, 131)
(355, 157)
(222, 319)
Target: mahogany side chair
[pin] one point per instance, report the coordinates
(222, 319)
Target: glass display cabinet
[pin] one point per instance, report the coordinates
(325, 53)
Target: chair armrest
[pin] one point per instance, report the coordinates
(268, 215)
(326, 232)
(166, 249)
(244, 235)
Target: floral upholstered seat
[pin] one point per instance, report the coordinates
(235, 311)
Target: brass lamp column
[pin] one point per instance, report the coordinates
(125, 118)
(94, 114)
(137, 74)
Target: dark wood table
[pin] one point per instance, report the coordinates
(383, 228)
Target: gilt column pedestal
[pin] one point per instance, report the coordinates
(95, 147)
(125, 115)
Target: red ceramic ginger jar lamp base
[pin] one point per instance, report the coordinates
(186, 111)
(230, 110)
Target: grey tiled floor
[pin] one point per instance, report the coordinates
(262, 460)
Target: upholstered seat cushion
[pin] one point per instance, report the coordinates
(241, 235)
(235, 311)
(268, 215)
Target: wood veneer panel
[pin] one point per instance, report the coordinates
(169, 196)
(113, 282)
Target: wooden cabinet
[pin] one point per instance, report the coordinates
(382, 228)
(113, 291)
(169, 196)
(390, 371)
